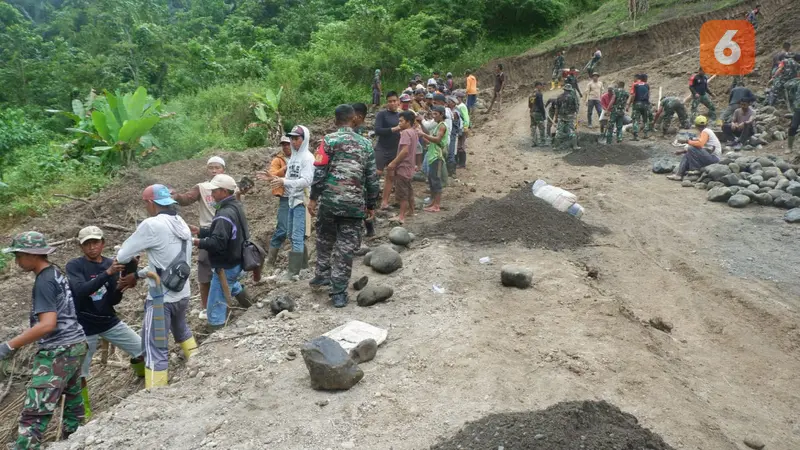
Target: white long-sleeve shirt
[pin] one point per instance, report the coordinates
(160, 237)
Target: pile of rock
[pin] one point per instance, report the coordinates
(771, 125)
(742, 180)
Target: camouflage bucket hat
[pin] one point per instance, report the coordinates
(31, 242)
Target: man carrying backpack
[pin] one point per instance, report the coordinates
(224, 241)
(165, 237)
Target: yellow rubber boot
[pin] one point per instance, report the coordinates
(155, 378)
(552, 85)
(87, 407)
(189, 347)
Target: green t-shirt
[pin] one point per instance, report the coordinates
(434, 152)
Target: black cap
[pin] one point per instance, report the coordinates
(439, 98)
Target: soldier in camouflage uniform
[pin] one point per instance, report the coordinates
(670, 106)
(795, 85)
(360, 129)
(558, 65)
(640, 99)
(787, 71)
(346, 187)
(536, 108)
(62, 345)
(617, 112)
(566, 112)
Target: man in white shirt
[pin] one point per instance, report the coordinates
(163, 236)
(594, 90)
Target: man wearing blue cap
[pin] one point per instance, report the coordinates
(165, 237)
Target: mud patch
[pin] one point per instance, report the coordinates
(563, 426)
(594, 154)
(519, 216)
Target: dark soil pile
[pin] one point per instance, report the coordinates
(519, 216)
(594, 154)
(576, 425)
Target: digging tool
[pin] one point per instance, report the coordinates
(658, 104)
(226, 290)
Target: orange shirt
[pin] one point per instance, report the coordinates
(278, 169)
(472, 85)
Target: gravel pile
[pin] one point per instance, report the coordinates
(595, 154)
(563, 426)
(519, 216)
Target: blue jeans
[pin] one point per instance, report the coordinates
(280, 228)
(471, 100)
(217, 305)
(451, 148)
(292, 223)
(119, 335)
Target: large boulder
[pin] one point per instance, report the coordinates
(766, 162)
(516, 276)
(385, 260)
(399, 236)
(790, 174)
(771, 172)
(738, 201)
(782, 201)
(329, 365)
(719, 194)
(374, 294)
(731, 179)
(663, 166)
(763, 199)
(792, 215)
(717, 171)
(747, 192)
(793, 202)
(793, 188)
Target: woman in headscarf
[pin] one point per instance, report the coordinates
(376, 88)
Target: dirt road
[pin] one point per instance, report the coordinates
(725, 278)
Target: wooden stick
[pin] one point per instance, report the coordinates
(61, 422)
(77, 199)
(8, 383)
(227, 338)
(104, 352)
(57, 243)
(659, 96)
(114, 227)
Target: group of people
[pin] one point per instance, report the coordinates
(338, 186)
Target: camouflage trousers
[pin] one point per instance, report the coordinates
(780, 92)
(565, 131)
(666, 118)
(615, 121)
(537, 125)
(56, 372)
(641, 115)
(338, 239)
(704, 100)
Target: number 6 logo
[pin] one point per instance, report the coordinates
(727, 47)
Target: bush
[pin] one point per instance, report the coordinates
(255, 136)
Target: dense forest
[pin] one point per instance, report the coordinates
(210, 68)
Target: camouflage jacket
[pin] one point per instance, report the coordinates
(671, 103)
(559, 62)
(794, 86)
(345, 179)
(567, 104)
(620, 100)
(790, 70)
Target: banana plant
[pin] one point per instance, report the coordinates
(123, 124)
(267, 110)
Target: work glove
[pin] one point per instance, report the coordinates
(5, 351)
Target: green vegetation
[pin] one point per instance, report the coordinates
(612, 19)
(229, 73)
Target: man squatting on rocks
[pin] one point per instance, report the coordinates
(698, 153)
(297, 178)
(62, 345)
(346, 187)
(164, 237)
(97, 287)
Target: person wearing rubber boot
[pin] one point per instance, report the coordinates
(670, 106)
(62, 345)
(537, 114)
(360, 129)
(297, 179)
(97, 287)
(640, 99)
(346, 187)
(224, 241)
(616, 112)
(164, 237)
(277, 168)
(558, 66)
(201, 194)
(566, 112)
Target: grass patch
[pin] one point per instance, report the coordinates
(611, 19)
